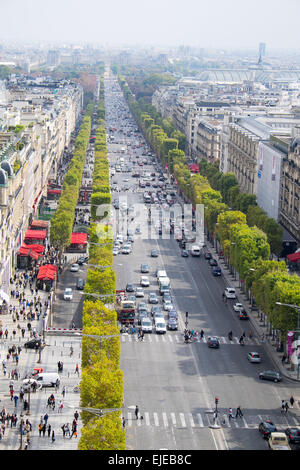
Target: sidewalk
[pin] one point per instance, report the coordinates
(254, 316)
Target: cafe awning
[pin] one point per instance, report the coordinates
(78, 238)
(47, 272)
(294, 257)
(35, 234)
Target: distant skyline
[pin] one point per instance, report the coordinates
(213, 24)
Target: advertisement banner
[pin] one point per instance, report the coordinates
(290, 336)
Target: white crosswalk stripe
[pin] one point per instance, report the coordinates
(178, 338)
(201, 420)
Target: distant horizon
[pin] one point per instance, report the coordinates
(160, 23)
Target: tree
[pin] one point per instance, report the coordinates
(104, 433)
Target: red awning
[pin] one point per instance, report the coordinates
(35, 234)
(37, 248)
(48, 272)
(54, 191)
(79, 238)
(40, 224)
(294, 257)
(28, 252)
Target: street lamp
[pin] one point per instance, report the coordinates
(21, 431)
(296, 307)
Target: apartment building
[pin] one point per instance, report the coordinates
(290, 187)
(44, 117)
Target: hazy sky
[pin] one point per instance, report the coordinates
(203, 23)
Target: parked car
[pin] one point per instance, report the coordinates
(74, 268)
(34, 344)
(230, 293)
(68, 294)
(266, 427)
(207, 255)
(80, 284)
(216, 271)
(272, 375)
(254, 357)
(238, 307)
(213, 262)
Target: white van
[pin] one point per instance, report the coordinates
(195, 250)
(48, 379)
(161, 273)
(164, 281)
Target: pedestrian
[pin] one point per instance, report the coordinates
(63, 391)
(230, 416)
(63, 429)
(283, 359)
(286, 406)
(136, 412)
(60, 408)
(40, 429)
(44, 429)
(223, 418)
(16, 398)
(123, 422)
(77, 369)
(46, 418)
(201, 334)
(292, 401)
(67, 430)
(282, 406)
(76, 415)
(238, 412)
(53, 436)
(49, 429)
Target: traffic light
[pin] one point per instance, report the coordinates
(186, 314)
(216, 400)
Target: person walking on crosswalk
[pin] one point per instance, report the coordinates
(136, 412)
(239, 412)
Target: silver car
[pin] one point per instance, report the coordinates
(254, 357)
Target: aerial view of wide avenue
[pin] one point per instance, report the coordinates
(150, 229)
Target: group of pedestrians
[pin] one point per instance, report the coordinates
(285, 404)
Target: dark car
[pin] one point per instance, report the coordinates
(213, 342)
(82, 259)
(207, 256)
(266, 427)
(173, 314)
(172, 324)
(213, 262)
(184, 253)
(272, 375)
(216, 271)
(34, 344)
(293, 435)
(80, 284)
(130, 288)
(154, 254)
(243, 315)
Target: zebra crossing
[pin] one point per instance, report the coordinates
(178, 338)
(180, 420)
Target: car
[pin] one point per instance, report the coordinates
(129, 288)
(173, 314)
(168, 305)
(130, 239)
(244, 315)
(158, 316)
(142, 315)
(144, 268)
(230, 293)
(145, 281)
(139, 292)
(213, 342)
(146, 325)
(154, 253)
(115, 251)
(81, 260)
(142, 306)
(137, 230)
(153, 298)
(172, 323)
(74, 268)
(160, 327)
(272, 375)
(266, 427)
(184, 253)
(213, 262)
(80, 284)
(238, 307)
(68, 294)
(167, 296)
(34, 344)
(254, 357)
(216, 271)
(293, 435)
(30, 385)
(207, 255)
(126, 250)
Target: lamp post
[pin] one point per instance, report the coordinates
(21, 432)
